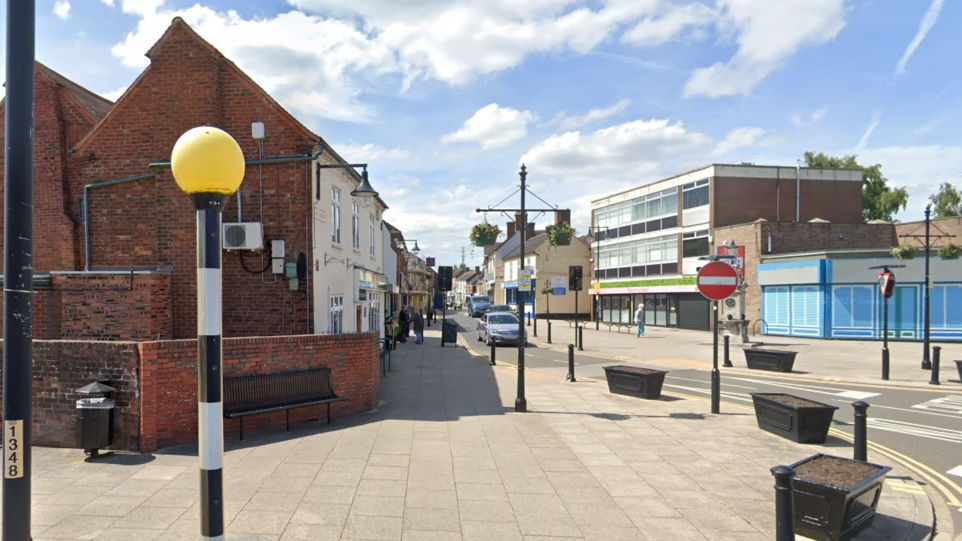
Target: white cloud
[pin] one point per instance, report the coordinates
(61, 8)
(370, 153)
(108, 2)
(667, 26)
(818, 114)
(743, 137)
(768, 33)
(493, 126)
(918, 168)
(114, 95)
(863, 141)
(801, 121)
(570, 122)
(624, 150)
(928, 21)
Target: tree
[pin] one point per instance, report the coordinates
(947, 202)
(879, 201)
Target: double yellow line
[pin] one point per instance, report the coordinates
(948, 489)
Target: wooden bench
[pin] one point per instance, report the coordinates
(254, 395)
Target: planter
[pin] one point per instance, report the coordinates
(770, 359)
(958, 364)
(486, 239)
(834, 497)
(793, 418)
(562, 240)
(634, 381)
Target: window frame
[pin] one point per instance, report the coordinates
(335, 216)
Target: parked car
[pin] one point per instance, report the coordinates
(477, 304)
(499, 328)
(500, 308)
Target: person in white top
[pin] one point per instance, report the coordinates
(640, 319)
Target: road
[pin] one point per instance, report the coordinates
(922, 424)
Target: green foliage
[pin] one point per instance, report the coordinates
(484, 234)
(947, 203)
(686, 281)
(950, 251)
(560, 235)
(547, 290)
(879, 201)
(903, 252)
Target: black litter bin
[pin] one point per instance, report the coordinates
(95, 418)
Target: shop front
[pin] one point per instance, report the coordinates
(372, 296)
(673, 308)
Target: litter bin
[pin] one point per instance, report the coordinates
(95, 418)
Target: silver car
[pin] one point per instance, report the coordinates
(499, 328)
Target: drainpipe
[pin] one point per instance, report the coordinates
(798, 191)
(86, 208)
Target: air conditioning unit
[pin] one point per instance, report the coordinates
(243, 236)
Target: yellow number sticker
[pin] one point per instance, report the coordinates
(12, 449)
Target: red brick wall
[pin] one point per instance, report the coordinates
(60, 367)
(743, 200)
(97, 306)
(168, 372)
(152, 223)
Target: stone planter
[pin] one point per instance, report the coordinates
(793, 418)
(958, 365)
(834, 497)
(634, 381)
(772, 360)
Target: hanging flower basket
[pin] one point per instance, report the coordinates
(950, 251)
(903, 252)
(560, 235)
(484, 234)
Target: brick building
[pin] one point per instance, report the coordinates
(140, 221)
(652, 236)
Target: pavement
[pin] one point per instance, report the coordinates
(444, 458)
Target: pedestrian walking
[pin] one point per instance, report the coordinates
(419, 327)
(640, 319)
(405, 322)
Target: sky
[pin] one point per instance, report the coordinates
(445, 99)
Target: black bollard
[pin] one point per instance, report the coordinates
(861, 436)
(784, 508)
(936, 358)
(581, 338)
(549, 331)
(571, 363)
(493, 346)
(728, 360)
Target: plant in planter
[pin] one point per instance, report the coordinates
(950, 251)
(835, 497)
(560, 235)
(793, 418)
(770, 359)
(484, 234)
(903, 252)
(635, 381)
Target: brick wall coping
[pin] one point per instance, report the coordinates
(305, 338)
(117, 272)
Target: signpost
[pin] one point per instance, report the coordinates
(716, 282)
(886, 286)
(558, 286)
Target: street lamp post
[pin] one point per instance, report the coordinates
(926, 310)
(598, 235)
(208, 165)
(18, 271)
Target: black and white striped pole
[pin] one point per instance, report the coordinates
(208, 165)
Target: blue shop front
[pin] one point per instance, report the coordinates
(837, 296)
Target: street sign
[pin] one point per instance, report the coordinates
(558, 285)
(717, 281)
(597, 287)
(524, 280)
(886, 283)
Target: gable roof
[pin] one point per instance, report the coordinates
(530, 245)
(179, 24)
(91, 103)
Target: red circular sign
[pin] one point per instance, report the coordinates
(717, 281)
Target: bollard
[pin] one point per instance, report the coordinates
(784, 507)
(571, 363)
(581, 338)
(549, 331)
(861, 436)
(728, 360)
(936, 361)
(493, 346)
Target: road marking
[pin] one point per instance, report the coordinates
(945, 404)
(956, 471)
(858, 395)
(733, 396)
(703, 381)
(914, 411)
(913, 429)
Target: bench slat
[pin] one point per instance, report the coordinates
(275, 392)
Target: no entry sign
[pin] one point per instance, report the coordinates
(717, 281)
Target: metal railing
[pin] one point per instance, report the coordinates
(764, 326)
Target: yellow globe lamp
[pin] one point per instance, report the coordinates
(206, 159)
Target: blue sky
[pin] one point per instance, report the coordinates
(445, 99)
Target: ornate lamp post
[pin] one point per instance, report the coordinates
(208, 165)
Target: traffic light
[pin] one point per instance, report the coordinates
(574, 278)
(445, 278)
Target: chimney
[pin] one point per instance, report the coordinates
(511, 229)
(562, 216)
(517, 217)
(529, 232)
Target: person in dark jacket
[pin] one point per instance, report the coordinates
(405, 324)
(419, 327)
